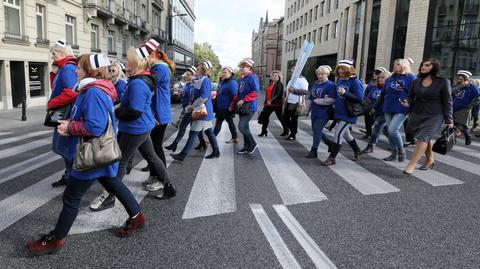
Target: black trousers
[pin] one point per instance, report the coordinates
(290, 120)
(268, 110)
(225, 115)
(157, 135)
(369, 121)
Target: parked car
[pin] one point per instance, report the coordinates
(176, 92)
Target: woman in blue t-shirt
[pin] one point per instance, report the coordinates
(91, 113)
(226, 91)
(349, 90)
(117, 76)
(201, 103)
(465, 97)
(321, 97)
(395, 91)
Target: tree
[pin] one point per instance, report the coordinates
(204, 52)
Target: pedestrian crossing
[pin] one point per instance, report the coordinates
(213, 191)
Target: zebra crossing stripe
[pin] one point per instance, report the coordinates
(213, 190)
(318, 257)
(466, 151)
(24, 147)
(360, 178)
(431, 177)
(88, 221)
(26, 166)
(5, 133)
(284, 256)
(22, 137)
(29, 199)
(293, 185)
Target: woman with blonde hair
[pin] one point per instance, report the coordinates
(395, 91)
(273, 102)
(351, 88)
(117, 76)
(92, 114)
(62, 97)
(201, 104)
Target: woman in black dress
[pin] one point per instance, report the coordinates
(430, 101)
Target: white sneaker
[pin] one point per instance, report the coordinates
(102, 202)
(150, 180)
(155, 186)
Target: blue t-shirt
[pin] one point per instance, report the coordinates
(186, 94)
(120, 87)
(92, 107)
(65, 78)
(319, 90)
(464, 97)
(248, 84)
(137, 96)
(161, 99)
(372, 93)
(353, 86)
(396, 88)
(226, 91)
(203, 88)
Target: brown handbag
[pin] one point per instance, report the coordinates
(199, 113)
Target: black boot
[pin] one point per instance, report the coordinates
(356, 150)
(392, 157)
(172, 147)
(368, 149)
(468, 140)
(145, 169)
(263, 133)
(60, 182)
(312, 154)
(214, 154)
(331, 159)
(201, 145)
(169, 191)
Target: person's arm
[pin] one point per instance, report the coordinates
(325, 101)
(67, 79)
(356, 94)
(137, 97)
(205, 90)
(447, 102)
(411, 93)
(94, 118)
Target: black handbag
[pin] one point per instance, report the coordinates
(244, 109)
(262, 117)
(54, 115)
(354, 108)
(445, 142)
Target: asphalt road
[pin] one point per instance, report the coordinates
(271, 209)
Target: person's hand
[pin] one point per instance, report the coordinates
(341, 91)
(240, 103)
(63, 127)
(188, 108)
(404, 103)
(290, 89)
(269, 103)
(449, 125)
(372, 111)
(465, 83)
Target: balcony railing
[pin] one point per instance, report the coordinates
(105, 8)
(42, 43)
(16, 38)
(159, 3)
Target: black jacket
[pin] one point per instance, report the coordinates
(277, 94)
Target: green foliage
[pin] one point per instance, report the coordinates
(204, 52)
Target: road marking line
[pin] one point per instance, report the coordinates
(26, 201)
(431, 177)
(284, 256)
(27, 166)
(293, 185)
(318, 257)
(5, 133)
(24, 147)
(213, 190)
(88, 221)
(360, 178)
(22, 137)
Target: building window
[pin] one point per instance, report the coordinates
(111, 42)
(336, 4)
(13, 11)
(124, 46)
(143, 12)
(135, 4)
(303, 2)
(310, 16)
(315, 13)
(40, 22)
(327, 31)
(70, 30)
(305, 19)
(335, 29)
(296, 28)
(308, 37)
(320, 32)
(329, 3)
(322, 7)
(401, 24)
(356, 34)
(288, 28)
(314, 36)
(372, 44)
(301, 22)
(94, 37)
(295, 7)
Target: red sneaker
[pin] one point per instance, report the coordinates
(47, 244)
(131, 225)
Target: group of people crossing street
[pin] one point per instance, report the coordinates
(133, 99)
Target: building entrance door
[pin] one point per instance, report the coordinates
(17, 77)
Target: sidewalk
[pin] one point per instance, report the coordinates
(12, 119)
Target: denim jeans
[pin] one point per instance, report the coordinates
(462, 128)
(60, 147)
(394, 122)
(380, 123)
(72, 196)
(192, 138)
(318, 124)
(244, 127)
